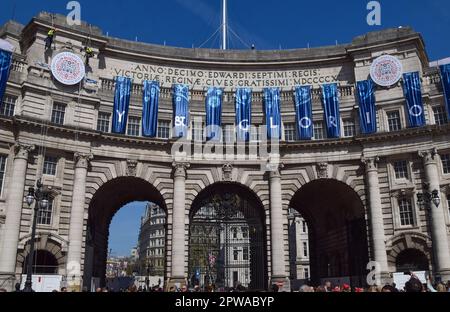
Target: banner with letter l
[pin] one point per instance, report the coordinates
(367, 109)
(213, 113)
(121, 104)
(272, 109)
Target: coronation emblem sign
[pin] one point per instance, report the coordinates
(68, 68)
(386, 70)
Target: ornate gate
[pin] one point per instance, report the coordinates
(227, 244)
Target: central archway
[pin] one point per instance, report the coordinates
(337, 230)
(227, 239)
(108, 199)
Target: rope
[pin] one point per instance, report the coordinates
(218, 29)
(240, 39)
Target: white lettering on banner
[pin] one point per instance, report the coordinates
(368, 119)
(180, 121)
(244, 125)
(305, 122)
(332, 121)
(416, 111)
(272, 126)
(120, 115)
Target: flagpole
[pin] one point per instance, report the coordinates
(224, 25)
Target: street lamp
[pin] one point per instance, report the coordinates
(429, 197)
(41, 198)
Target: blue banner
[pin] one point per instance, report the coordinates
(303, 110)
(150, 102)
(121, 104)
(445, 77)
(243, 113)
(5, 65)
(180, 110)
(413, 95)
(332, 116)
(367, 109)
(213, 113)
(273, 117)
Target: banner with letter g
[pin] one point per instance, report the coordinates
(243, 113)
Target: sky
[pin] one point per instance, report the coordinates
(269, 24)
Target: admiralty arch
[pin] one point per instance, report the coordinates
(382, 196)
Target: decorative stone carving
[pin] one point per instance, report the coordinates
(428, 156)
(180, 169)
(370, 163)
(132, 167)
(275, 171)
(322, 170)
(227, 170)
(82, 160)
(404, 192)
(22, 150)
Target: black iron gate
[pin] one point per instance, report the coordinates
(227, 245)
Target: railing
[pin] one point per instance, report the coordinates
(18, 66)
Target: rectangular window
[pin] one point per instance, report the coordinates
(44, 216)
(244, 232)
(446, 163)
(254, 137)
(401, 169)
(58, 112)
(3, 159)
(406, 212)
(134, 126)
(197, 131)
(440, 115)
(305, 249)
(289, 132)
(304, 226)
(349, 128)
(228, 133)
(8, 106)
(319, 133)
(245, 253)
(306, 273)
(50, 164)
(163, 129)
(235, 232)
(394, 121)
(103, 122)
(235, 254)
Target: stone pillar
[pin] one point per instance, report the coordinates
(376, 217)
(178, 224)
(438, 226)
(73, 264)
(15, 199)
(279, 274)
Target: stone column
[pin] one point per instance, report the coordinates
(73, 264)
(178, 223)
(279, 274)
(14, 201)
(376, 217)
(438, 226)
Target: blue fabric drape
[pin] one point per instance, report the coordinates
(332, 116)
(243, 113)
(121, 104)
(413, 94)
(367, 109)
(272, 109)
(213, 113)
(5, 65)
(303, 109)
(150, 101)
(180, 110)
(445, 77)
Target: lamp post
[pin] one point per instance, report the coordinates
(41, 198)
(427, 198)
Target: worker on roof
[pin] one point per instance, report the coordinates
(49, 40)
(89, 53)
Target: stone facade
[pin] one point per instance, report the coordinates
(97, 172)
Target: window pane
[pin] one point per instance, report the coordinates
(349, 128)
(254, 133)
(289, 132)
(319, 133)
(8, 106)
(440, 115)
(134, 126)
(197, 131)
(58, 113)
(406, 212)
(2, 171)
(103, 122)
(163, 129)
(228, 133)
(446, 163)
(401, 169)
(394, 121)
(45, 214)
(50, 163)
